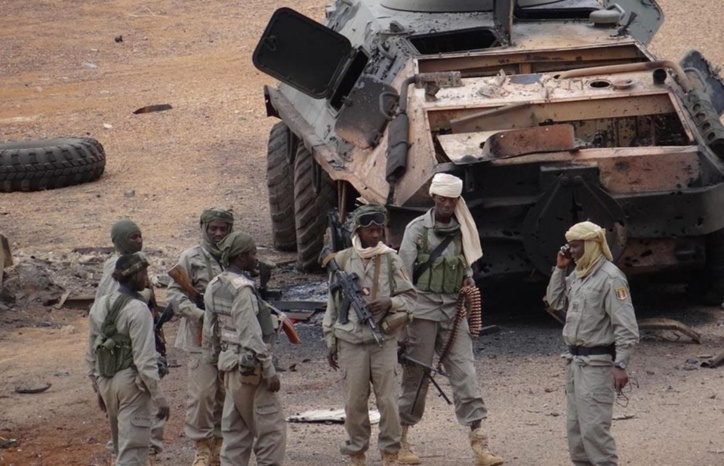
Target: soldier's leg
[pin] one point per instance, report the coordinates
(595, 414)
(459, 364)
(354, 360)
(157, 430)
(235, 425)
(108, 393)
(204, 391)
(420, 346)
(573, 426)
(270, 427)
(134, 420)
(383, 365)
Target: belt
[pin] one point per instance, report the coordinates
(592, 350)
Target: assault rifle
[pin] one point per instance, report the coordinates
(427, 371)
(348, 285)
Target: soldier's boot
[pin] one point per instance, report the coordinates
(151, 461)
(358, 460)
(405, 455)
(479, 444)
(216, 452)
(202, 454)
(389, 458)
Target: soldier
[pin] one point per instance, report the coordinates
(205, 392)
(600, 332)
(438, 248)
(239, 329)
(121, 362)
(127, 239)
(351, 345)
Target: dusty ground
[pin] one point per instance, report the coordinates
(63, 74)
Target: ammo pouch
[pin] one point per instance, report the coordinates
(113, 350)
(394, 322)
(444, 275)
(249, 369)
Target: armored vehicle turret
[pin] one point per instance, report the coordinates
(551, 111)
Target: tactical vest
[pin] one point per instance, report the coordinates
(113, 350)
(223, 298)
(446, 273)
(342, 259)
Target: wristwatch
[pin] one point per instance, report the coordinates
(620, 365)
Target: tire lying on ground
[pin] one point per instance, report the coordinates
(49, 163)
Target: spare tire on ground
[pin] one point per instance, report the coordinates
(49, 163)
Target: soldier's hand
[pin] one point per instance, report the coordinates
(620, 378)
(562, 262)
(273, 383)
(468, 281)
(164, 411)
(379, 306)
(332, 358)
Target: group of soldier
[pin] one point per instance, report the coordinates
(228, 331)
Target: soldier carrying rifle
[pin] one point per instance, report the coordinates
(439, 248)
(370, 298)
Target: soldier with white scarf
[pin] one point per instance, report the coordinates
(600, 332)
(437, 288)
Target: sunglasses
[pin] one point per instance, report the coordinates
(377, 218)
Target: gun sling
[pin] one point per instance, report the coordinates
(420, 269)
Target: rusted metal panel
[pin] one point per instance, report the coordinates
(630, 170)
(514, 143)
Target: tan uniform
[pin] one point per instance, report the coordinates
(108, 285)
(599, 313)
(430, 330)
(129, 393)
(234, 339)
(361, 359)
(205, 398)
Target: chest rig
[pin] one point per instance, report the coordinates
(223, 299)
(446, 273)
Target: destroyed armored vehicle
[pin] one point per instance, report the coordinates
(552, 112)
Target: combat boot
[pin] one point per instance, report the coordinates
(358, 460)
(202, 456)
(479, 444)
(405, 455)
(388, 458)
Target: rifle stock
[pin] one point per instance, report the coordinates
(179, 275)
(287, 325)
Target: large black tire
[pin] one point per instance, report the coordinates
(310, 209)
(50, 163)
(280, 184)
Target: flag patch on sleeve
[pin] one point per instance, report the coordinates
(621, 293)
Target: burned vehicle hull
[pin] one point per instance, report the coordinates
(552, 112)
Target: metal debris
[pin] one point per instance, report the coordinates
(152, 108)
(329, 416)
(672, 325)
(28, 390)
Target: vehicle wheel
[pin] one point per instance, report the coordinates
(280, 184)
(310, 209)
(50, 163)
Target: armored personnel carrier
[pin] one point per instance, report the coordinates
(552, 112)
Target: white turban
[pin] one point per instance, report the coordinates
(446, 185)
(595, 246)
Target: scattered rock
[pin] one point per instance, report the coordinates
(67, 330)
(107, 126)
(90, 65)
(129, 192)
(118, 39)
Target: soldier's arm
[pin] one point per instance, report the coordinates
(90, 353)
(623, 318)
(140, 329)
(556, 291)
(210, 343)
(330, 318)
(408, 248)
(243, 311)
(176, 293)
(405, 296)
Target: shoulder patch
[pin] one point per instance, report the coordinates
(621, 293)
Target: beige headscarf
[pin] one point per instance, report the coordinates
(235, 244)
(447, 185)
(595, 246)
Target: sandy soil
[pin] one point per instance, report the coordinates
(63, 74)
